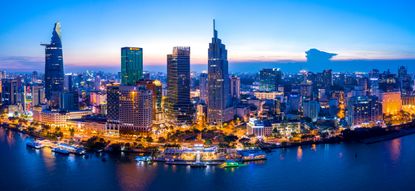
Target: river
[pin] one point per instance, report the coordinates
(388, 165)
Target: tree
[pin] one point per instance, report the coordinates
(72, 131)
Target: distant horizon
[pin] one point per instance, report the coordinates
(287, 66)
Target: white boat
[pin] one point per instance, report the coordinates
(35, 144)
(60, 150)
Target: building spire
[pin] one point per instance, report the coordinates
(215, 33)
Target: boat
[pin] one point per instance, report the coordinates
(80, 151)
(60, 151)
(198, 165)
(143, 158)
(252, 155)
(34, 144)
(230, 164)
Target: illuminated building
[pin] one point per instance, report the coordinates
(391, 102)
(113, 109)
(179, 107)
(131, 65)
(364, 111)
(268, 95)
(311, 109)
(12, 92)
(219, 99)
(156, 88)
(54, 76)
(38, 95)
(235, 87)
(135, 110)
(203, 86)
(269, 79)
(258, 128)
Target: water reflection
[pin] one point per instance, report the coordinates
(395, 149)
(131, 178)
(314, 147)
(299, 153)
(48, 159)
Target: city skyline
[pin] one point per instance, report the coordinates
(282, 31)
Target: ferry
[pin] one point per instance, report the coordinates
(198, 165)
(60, 150)
(252, 155)
(71, 149)
(230, 164)
(143, 158)
(35, 144)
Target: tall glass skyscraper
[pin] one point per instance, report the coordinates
(54, 76)
(219, 99)
(179, 106)
(131, 65)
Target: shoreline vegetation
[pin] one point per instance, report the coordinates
(359, 135)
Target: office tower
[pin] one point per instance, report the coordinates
(146, 75)
(38, 95)
(179, 107)
(203, 87)
(388, 82)
(235, 87)
(68, 82)
(135, 110)
(131, 65)
(12, 91)
(391, 102)
(35, 76)
(364, 111)
(54, 75)
(219, 99)
(294, 103)
(405, 81)
(70, 101)
(156, 88)
(269, 79)
(113, 108)
(311, 109)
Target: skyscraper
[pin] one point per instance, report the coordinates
(54, 76)
(131, 65)
(219, 99)
(113, 108)
(269, 79)
(135, 110)
(235, 87)
(203, 87)
(179, 106)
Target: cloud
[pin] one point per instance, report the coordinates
(21, 63)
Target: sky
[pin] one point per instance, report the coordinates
(253, 31)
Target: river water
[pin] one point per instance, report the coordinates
(388, 165)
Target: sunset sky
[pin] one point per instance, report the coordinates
(93, 32)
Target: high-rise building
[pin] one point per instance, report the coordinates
(179, 106)
(391, 102)
(311, 109)
(38, 95)
(54, 76)
(269, 79)
(219, 99)
(235, 87)
(12, 92)
(156, 88)
(135, 110)
(113, 108)
(203, 86)
(364, 111)
(131, 65)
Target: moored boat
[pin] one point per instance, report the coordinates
(60, 150)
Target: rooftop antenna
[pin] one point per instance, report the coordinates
(215, 33)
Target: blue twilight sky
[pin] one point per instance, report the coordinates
(260, 30)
